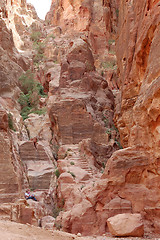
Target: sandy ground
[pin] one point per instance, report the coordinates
(15, 231)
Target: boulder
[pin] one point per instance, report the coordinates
(126, 225)
(47, 222)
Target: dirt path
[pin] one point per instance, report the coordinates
(15, 231)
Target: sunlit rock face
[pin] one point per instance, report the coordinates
(97, 19)
(18, 16)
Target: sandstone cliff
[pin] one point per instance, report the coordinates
(62, 153)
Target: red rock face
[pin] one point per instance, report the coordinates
(138, 52)
(134, 170)
(130, 182)
(97, 19)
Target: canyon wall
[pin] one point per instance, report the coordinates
(138, 67)
(78, 129)
(95, 19)
(130, 182)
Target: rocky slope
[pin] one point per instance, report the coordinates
(62, 152)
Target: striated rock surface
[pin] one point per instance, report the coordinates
(138, 65)
(82, 101)
(10, 179)
(38, 164)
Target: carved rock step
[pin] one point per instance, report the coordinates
(8, 198)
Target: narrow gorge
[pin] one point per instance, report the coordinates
(79, 120)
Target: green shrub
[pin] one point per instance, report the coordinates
(58, 226)
(27, 82)
(10, 122)
(82, 187)
(117, 12)
(39, 47)
(40, 89)
(56, 211)
(111, 41)
(23, 100)
(35, 36)
(118, 144)
(50, 36)
(40, 111)
(29, 97)
(25, 112)
(103, 164)
(112, 52)
(109, 65)
(72, 163)
(37, 59)
(57, 173)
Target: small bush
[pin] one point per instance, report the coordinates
(10, 122)
(27, 82)
(58, 226)
(109, 65)
(40, 111)
(118, 144)
(111, 41)
(117, 12)
(35, 36)
(37, 59)
(72, 163)
(29, 97)
(57, 173)
(103, 164)
(40, 89)
(50, 36)
(82, 187)
(56, 211)
(39, 47)
(25, 112)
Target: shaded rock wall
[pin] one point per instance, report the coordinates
(138, 58)
(11, 177)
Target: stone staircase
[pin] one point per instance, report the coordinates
(74, 156)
